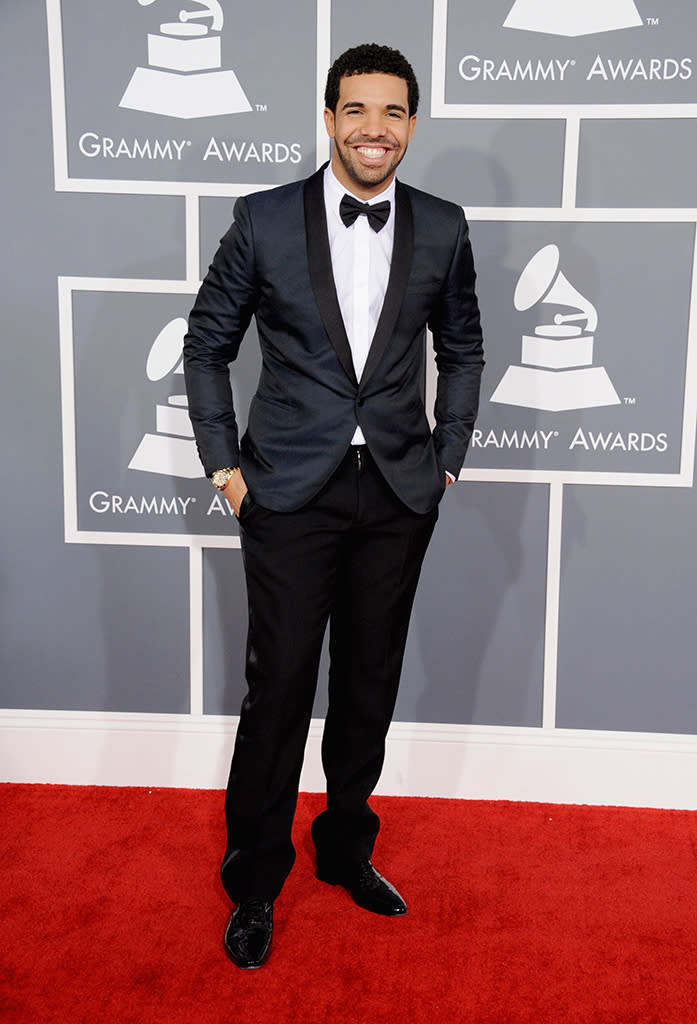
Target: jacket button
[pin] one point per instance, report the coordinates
(360, 401)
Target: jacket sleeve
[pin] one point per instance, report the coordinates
(221, 315)
(457, 341)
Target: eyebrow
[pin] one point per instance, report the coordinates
(360, 103)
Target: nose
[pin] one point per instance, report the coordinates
(373, 125)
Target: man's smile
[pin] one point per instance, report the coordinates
(373, 152)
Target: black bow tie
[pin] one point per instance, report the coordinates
(350, 209)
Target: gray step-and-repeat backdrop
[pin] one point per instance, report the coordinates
(557, 603)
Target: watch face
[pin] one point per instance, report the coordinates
(221, 477)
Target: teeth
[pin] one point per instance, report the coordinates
(371, 152)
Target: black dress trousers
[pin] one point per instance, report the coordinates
(352, 557)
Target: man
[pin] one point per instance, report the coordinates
(337, 480)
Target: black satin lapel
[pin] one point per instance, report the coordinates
(321, 276)
(397, 284)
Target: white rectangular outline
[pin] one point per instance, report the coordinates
(685, 476)
(543, 111)
(73, 535)
(64, 183)
(552, 604)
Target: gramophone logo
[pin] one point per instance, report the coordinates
(172, 449)
(573, 17)
(185, 77)
(556, 371)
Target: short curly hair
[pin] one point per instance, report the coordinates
(369, 59)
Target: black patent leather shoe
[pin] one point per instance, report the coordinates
(248, 934)
(367, 887)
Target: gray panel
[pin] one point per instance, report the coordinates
(487, 162)
(627, 639)
(92, 628)
(636, 279)
(224, 631)
(165, 107)
(533, 53)
(647, 163)
(475, 647)
(103, 235)
(137, 466)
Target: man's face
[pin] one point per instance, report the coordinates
(371, 130)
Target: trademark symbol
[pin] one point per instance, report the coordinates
(556, 433)
(188, 142)
(629, 401)
(261, 108)
(654, 22)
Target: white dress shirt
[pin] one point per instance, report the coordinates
(361, 261)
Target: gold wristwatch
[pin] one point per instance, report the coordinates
(221, 477)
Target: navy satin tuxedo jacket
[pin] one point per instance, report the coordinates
(274, 263)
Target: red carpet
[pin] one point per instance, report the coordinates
(112, 914)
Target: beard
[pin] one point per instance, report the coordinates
(367, 177)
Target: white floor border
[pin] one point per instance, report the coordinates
(466, 762)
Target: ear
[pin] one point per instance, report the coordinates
(330, 122)
(412, 126)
